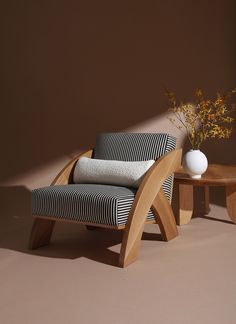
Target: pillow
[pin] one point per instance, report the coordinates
(121, 173)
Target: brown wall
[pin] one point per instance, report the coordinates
(71, 69)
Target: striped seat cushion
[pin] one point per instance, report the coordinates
(136, 147)
(86, 203)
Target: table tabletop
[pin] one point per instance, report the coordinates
(216, 175)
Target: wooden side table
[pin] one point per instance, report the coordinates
(216, 175)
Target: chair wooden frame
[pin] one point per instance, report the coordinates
(149, 195)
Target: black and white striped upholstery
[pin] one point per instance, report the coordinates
(86, 203)
(136, 147)
(133, 146)
(104, 204)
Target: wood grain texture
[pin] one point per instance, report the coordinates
(164, 216)
(65, 175)
(216, 175)
(231, 202)
(90, 225)
(143, 201)
(41, 232)
(185, 204)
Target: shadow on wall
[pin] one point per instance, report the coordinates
(72, 70)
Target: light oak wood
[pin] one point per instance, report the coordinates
(143, 201)
(164, 216)
(216, 175)
(231, 202)
(41, 233)
(92, 225)
(185, 204)
(148, 195)
(65, 175)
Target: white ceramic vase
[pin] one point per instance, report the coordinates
(195, 163)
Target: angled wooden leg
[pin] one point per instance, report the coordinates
(164, 216)
(132, 237)
(144, 198)
(185, 204)
(231, 202)
(41, 233)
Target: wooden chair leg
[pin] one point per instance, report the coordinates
(132, 238)
(164, 216)
(135, 226)
(41, 233)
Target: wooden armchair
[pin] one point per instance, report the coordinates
(65, 201)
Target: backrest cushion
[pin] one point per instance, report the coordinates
(135, 147)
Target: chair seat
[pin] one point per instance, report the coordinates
(85, 203)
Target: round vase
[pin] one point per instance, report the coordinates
(195, 163)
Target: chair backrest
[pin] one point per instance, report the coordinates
(135, 147)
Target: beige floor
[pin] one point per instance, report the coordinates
(74, 280)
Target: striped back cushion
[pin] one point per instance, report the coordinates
(135, 147)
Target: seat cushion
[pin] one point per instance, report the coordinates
(86, 203)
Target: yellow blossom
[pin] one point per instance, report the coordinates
(203, 119)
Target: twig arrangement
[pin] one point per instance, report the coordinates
(204, 118)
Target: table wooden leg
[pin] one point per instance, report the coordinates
(231, 202)
(206, 200)
(185, 204)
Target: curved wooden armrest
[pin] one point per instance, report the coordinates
(162, 169)
(150, 194)
(65, 175)
(152, 182)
